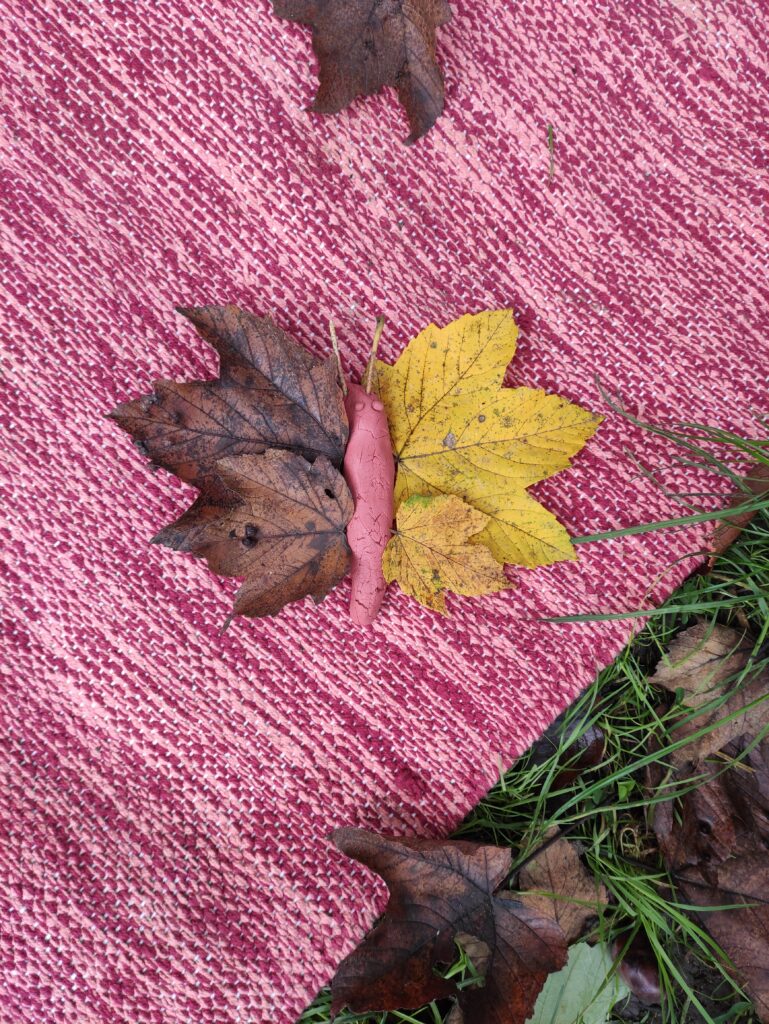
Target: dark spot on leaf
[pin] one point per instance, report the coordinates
(481, 418)
(450, 440)
(250, 536)
(329, 493)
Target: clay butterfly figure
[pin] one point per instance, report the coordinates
(296, 467)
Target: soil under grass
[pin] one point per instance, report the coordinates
(588, 775)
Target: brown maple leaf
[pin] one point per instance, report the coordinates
(363, 45)
(441, 893)
(262, 443)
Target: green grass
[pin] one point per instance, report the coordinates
(606, 808)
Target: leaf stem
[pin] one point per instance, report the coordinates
(335, 347)
(369, 371)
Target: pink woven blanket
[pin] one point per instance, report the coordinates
(167, 790)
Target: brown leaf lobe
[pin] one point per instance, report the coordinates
(271, 393)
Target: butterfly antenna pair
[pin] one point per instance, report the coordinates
(368, 373)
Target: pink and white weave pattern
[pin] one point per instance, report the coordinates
(166, 790)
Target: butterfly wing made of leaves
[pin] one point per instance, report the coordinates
(363, 45)
(432, 552)
(441, 891)
(456, 430)
(270, 393)
(281, 410)
(285, 536)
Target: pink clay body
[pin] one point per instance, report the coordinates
(369, 469)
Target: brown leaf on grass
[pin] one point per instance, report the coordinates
(261, 442)
(364, 45)
(724, 535)
(562, 888)
(715, 838)
(438, 892)
(716, 845)
(700, 660)
(705, 661)
(742, 933)
(285, 535)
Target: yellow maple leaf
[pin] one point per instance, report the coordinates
(456, 430)
(432, 551)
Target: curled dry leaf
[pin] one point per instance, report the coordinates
(262, 443)
(561, 887)
(439, 891)
(364, 45)
(456, 430)
(432, 552)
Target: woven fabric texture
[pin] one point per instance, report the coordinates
(167, 791)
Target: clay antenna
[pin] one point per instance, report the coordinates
(369, 371)
(335, 347)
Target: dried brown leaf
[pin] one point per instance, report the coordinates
(285, 536)
(439, 891)
(364, 45)
(700, 660)
(715, 841)
(707, 661)
(270, 393)
(261, 442)
(562, 888)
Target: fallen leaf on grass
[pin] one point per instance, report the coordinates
(717, 848)
(714, 839)
(456, 430)
(439, 890)
(364, 45)
(582, 992)
(262, 442)
(757, 483)
(562, 887)
(432, 552)
(701, 661)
